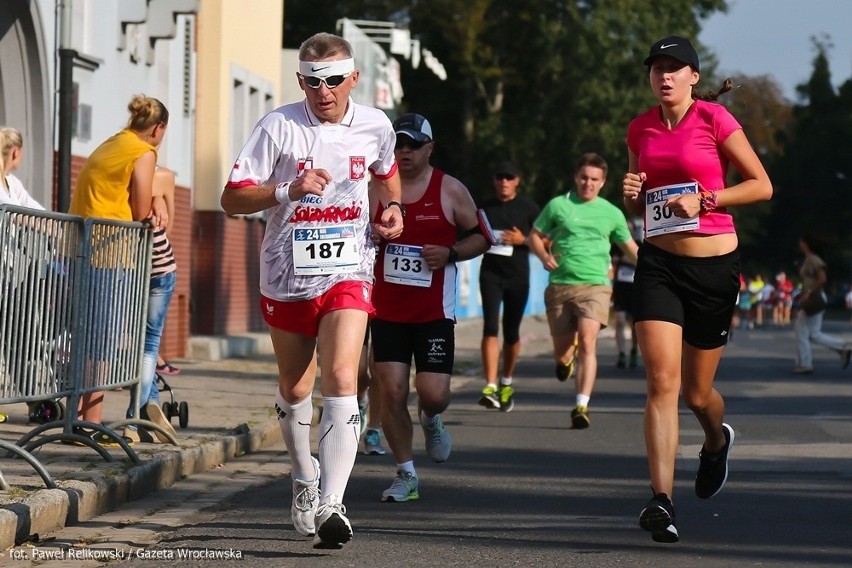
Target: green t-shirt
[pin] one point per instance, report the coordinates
(581, 232)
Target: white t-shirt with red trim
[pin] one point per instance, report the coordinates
(311, 245)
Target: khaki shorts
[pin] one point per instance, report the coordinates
(566, 303)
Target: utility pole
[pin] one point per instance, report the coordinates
(66, 86)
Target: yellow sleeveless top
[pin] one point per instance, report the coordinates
(103, 186)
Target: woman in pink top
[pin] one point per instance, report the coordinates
(687, 277)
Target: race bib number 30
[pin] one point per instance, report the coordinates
(404, 265)
(325, 250)
(658, 218)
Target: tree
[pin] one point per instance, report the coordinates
(760, 107)
(812, 174)
(538, 82)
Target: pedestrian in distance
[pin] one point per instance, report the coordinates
(687, 278)
(308, 163)
(415, 300)
(581, 226)
(504, 279)
(813, 303)
(117, 182)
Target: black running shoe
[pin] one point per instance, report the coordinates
(658, 518)
(565, 371)
(580, 418)
(713, 469)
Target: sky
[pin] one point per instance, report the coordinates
(772, 37)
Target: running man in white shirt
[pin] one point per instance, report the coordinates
(308, 163)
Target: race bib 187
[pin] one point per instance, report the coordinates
(325, 250)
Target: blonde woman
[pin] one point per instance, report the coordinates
(116, 182)
(12, 191)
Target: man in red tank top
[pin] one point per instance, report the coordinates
(415, 298)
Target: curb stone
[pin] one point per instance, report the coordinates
(48, 510)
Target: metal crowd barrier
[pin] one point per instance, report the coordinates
(72, 319)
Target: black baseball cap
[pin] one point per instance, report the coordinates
(676, 47)
(506, 168)
(414, 126)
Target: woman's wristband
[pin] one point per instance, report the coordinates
(707, 201)
(282, 192)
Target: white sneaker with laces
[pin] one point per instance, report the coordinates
(403, 488)
(306, 496)
(333, 528)
(439, 444)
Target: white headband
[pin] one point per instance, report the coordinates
(326, 68)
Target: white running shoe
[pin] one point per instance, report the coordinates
(439, 444)
(403, 488)
(333, 528)
(306, 496)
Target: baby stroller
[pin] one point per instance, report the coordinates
(170, 407)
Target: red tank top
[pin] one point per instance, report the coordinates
(403, 295)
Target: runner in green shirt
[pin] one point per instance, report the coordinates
(572, 239)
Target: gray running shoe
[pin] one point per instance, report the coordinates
(403, 488)
(439, 444)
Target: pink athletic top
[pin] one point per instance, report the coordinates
(691, 151)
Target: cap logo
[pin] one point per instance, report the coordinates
(668, 46)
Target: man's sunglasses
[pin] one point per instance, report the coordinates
(407, 142)
(508, 177)
(331, 82)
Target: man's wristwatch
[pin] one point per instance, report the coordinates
(398, 204)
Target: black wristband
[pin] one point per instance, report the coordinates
(398, 204)
(454, 255)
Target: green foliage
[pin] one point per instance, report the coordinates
(541, 81)
(813, 176)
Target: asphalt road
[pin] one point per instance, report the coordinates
(522, 489)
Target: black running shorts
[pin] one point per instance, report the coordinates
(698, 294)
(432, 344)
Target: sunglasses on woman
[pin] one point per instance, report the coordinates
(331, 81)
(508, 177)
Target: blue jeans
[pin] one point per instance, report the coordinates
(159, 296)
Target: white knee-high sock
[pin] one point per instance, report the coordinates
(295, 423)
(338, 445)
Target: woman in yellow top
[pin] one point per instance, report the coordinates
(116, 183)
